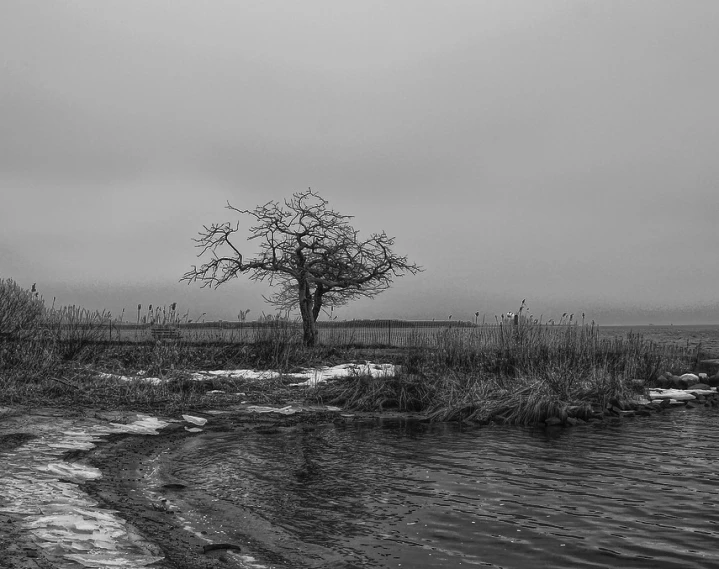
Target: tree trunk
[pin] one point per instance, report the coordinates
(317, 302)
(309, 328)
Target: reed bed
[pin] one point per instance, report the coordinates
(517, 370)
(522, 373)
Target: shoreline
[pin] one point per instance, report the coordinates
(121, 458)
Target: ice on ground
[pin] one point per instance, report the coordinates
(71, 471)
(288, 410)
(679, 394)
(46, 493)
(311, 376)
(658, 393)
(314, 376)
(140, 377)
(199, 421)
(145, 425)
(103, 560)
(244, 374)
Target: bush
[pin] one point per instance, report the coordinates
(21, 311)
(22, 314)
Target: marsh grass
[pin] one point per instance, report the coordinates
(519, 370)
(520, 373)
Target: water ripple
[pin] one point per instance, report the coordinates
(636, 494)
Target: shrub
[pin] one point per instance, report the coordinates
(21, 326)
(21, 311)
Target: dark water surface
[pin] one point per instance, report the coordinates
(642, 493)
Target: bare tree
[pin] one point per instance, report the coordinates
(309, 252)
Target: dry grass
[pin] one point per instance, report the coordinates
(518, 371)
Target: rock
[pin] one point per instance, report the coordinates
(644, 412)
(574, 421)
(553, 422)
(690, 405)
(581, 412)
(663, 381)
(712, 380)
(678, 382)
(690, 377)
(710, 367)
(702, 375)
(699, 386)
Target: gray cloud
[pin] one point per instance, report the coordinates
(561, 150)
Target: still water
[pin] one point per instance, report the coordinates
(642, 493)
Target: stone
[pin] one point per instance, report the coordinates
(710, 367)
(699, 386)
(712, 380)
(690, 377)
(678, 382)
(663, 381)
(574, 421)
(553, 422)
(581, 412)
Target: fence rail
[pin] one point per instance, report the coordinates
(377, 332)
(389, 333)
(396, 333)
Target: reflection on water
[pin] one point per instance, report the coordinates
(639, 494)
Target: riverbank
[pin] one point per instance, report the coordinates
(529, 375)
(118, 489)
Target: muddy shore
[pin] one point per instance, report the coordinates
(126, 488)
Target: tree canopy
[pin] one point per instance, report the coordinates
(307, 251)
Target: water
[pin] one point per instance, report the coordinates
(638, 494)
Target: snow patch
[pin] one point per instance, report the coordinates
(68, 525)
(310, 377)
(314, 376)
(679, 394)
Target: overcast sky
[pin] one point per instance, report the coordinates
(559, 151)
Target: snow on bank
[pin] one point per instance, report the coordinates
(311, 377)
(680, 394)
(46, 492)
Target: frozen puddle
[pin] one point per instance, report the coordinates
(46, 493)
